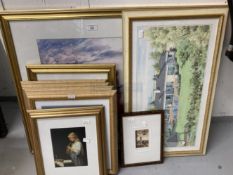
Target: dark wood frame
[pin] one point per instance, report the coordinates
(132, 114)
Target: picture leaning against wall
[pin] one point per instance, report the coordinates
(171, 65)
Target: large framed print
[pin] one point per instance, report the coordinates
(66, 32)
(69, 141)
(142, 134)
(43, 100)
(171, 63)
(72, 72)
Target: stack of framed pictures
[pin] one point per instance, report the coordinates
(67, 141)
(171, 56)
(76, 92)
(87, 36)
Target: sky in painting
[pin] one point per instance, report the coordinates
(144, 75)
(80, 50)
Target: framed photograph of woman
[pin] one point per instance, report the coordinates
(171, 63)
(69, 141)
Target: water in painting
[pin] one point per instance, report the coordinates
(169, 67)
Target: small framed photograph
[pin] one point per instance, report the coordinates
(67, 142)
(72, 72)
(142, 142)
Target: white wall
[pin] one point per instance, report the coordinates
(224, 96)
(224, 92)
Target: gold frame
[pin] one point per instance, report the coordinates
(6, 18)
(64, 83)
(98, 112)
(187, 13)
(69, 88)
(109, 69)
(31, 98)
(36, 86)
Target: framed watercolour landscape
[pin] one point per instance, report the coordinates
(26, 44)
(171, 63)
(68, 142)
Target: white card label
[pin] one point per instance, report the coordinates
(86, 140)
(86, 122)
(92, 27)
(71, 97)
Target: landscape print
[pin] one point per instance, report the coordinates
(168, 74)
(82, 51)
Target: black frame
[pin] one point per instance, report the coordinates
(132, 114)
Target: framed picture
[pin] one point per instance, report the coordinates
(52, 83)
(68, 88)
(67, 142)
(68, 81)
(44, 100)
(142, 138)
(74, 34)
(171, 62)
(72, 72)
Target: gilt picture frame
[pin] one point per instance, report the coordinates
(43, 100)
(67, 83)
(20, 54)
(72, 72)
(150, 40)
(56, 132)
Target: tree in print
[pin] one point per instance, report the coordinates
(191, 45)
